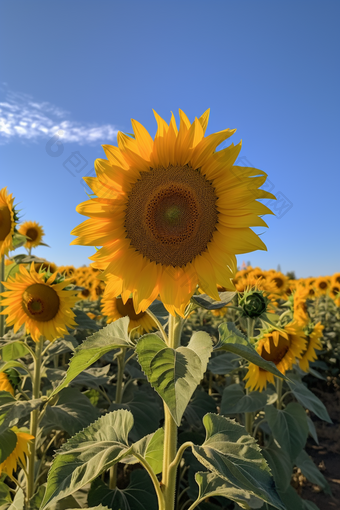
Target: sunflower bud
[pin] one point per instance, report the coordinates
(253, 303)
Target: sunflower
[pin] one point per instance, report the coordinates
(40, 302)
(334, 291)
(280, 280)
(300, 307)
(313, 342)
(322, 284)
(171, 213)
(21, 449)
(335, 279)
(114, 308)
(45, 266)
(7, 222)
(5, 384)
(33, 231)
(280, 347)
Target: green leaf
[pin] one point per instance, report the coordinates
(230, 453)
(174, 374)
(110, 338)
(289, 427)
(13, 350)
(234, 400)
(8, 441)
(211, 485)
(206, 302)
(151, 449)
(200, 404)
(232, 340)
(146, 413)
(311, 472)
(280, 464)
(72, 412)
(158, 309)
(5, 398)
(138, 495)
(83, 320)
(12, 411)
(312, 429)
(223, 363)
(18, 501)
(309, 505)
(12, 364)
(5, 494)
(307, 398)
(88, 454)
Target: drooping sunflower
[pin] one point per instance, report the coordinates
(33, 231)
(7, 222)
(171, 213)
(40, 302)
(313, 343)
(114, 308)
(280, 347)
(10, 464)
(5, 384)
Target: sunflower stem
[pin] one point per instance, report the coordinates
(118, 400)
(2, 277)
(249, 417)
(34, 418)
(169, 471)
(278, 384)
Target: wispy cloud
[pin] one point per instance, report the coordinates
(23, 118)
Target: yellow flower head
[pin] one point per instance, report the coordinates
(335, 280)
(322, 285)
(313, 343)
(10, 464)
(114, 309)
(300, 307)
(36, 300)
(5, 384)
(33, 231)
(171, 213)
(282, 348)
(7, 222)
(280, 281)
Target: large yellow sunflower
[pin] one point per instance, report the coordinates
(313, 343)
(114, 309)
(33, 231)
(322, 284)
(21, 449)
(7, 222)
(282, 348)
(37, 301)
(171, 213)
(5, 384)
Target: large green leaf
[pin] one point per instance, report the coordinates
(83, 320)
(13, 350)
(88, 454)
(151, 449)
(8, 441)
(174, 374)
(18, 501)
(13, 411)
(211, 485)
(289, 427)
(234, 400)
(280, 465)
(231, 454)
(5, 495)
(146, 413)
(110, 338)
(209, 303)
(223, 363)
(138, 495)
(200, 404)
(311, 472)
(71, 413)
(307, 398)
(232, 340)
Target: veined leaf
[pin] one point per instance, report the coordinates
(83, 320)
(234, 400)
(311, 472)
(174, 373)
(231, 454)
(8, 441)
(307, 398)
(110, 338)
(289, 427)
(151, 449)
(280, 465)
(12, 411)
(208, 303)
(88, 454)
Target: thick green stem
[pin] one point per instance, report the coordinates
(278, 384)
(118, 400)
(2, 277)
(170, 428)
(34, 418)
(249, 417)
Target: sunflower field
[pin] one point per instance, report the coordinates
(162, 376)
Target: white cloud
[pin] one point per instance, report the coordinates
(25, 119)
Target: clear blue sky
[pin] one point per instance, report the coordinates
(268, 68)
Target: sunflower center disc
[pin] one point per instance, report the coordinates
(128, 309)
(5, 222)
(32, 234)
(171, 215)
(277, 352)
(40, 302)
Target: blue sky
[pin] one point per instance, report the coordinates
(268, 68)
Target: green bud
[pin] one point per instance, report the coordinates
(253, 303)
